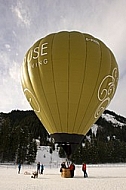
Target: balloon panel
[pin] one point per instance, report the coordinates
(69, 78)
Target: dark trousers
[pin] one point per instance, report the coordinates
(72, 173)
(85, 173)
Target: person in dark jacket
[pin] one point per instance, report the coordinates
(63, 165)
(42, 168)
(19, 168)
(38, 167)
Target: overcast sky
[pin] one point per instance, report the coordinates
(22, 22)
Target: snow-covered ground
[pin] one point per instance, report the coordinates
(101, 177)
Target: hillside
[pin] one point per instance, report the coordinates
(105, 141)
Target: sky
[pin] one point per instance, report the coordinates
(23, 22)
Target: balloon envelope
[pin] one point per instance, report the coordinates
(69, 78)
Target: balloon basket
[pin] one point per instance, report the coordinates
(65, 173)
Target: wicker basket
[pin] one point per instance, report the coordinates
(65, 172)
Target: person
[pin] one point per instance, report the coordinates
(63, 165)
(72, 168)
(38, 167)
(42, 168)
(19, 168)
(84, 170)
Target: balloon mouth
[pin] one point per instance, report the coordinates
(69, 142)
(67, 138)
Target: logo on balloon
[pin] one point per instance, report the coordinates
(92, 40)
(32, 100)
(40, 52)
(105, 94)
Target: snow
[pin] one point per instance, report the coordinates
(45, 158)
(111, 118)
(101, 177)
(94, 129)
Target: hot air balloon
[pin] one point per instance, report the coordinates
(69, 78)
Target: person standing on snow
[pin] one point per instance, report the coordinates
(19, 168)
(38, 167)
(84, 170)
(72, 168)
(42, 168)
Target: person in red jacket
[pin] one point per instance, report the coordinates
(72, 168)
(84, 170)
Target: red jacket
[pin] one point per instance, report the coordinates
(72, 167)
(84, 167)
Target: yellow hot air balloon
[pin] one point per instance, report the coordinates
(69, 78)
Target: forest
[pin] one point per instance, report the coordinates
(20, 129)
